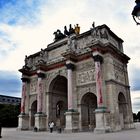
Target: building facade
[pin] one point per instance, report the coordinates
(9, 100)
(80, 82)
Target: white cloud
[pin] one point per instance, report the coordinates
(135, 98)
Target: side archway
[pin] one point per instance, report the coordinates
(88, 106)
(33, 112)
(122, 109)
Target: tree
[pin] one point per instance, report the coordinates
(8, 115)
(138, 116)
(135, 117)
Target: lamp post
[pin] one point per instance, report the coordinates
(136, 12)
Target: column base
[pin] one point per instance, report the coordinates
(102, 130)
(23, 122)
(102, 121)
(129, 126)
(72, 119)
(40, 122)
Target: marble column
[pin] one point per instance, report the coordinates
(70, 68)
(40, 91)
(102, 114)
(40, 117)
(99, 90)
(23, 118)
(72, 116)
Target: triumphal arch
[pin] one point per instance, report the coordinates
(80, 81)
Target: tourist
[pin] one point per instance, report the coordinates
(51, 125)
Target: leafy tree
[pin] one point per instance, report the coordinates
(135, 117)
(8, 115)
(138, 116)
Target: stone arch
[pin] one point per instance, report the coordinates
(33, 112)
(122, 104)
(88, 106)
(58, 100)
(51, 78)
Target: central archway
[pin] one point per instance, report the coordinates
(88, 106)
(58, 100)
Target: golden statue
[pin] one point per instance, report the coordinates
(77, 29)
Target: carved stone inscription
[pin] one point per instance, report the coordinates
(86, 77)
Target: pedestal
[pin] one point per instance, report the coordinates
(72, 119)
(102, 121)
(23, 122)
(40, 122)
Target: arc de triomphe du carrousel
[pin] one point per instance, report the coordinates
(80, 82)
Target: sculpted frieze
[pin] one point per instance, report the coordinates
(85, 66)
(85, 77)
(33, 85)
(72, 44)
(99, 34)
(104, 36)
(31, 62)
(119, 71)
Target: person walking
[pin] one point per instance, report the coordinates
(51, 125)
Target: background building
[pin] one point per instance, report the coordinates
(9, 110)
(9, 100)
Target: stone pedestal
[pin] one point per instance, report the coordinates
(72, 119)
(23, 122)
(40, 122)
(102, 121)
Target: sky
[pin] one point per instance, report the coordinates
(26, 26)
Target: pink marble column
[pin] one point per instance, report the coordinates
(70, 68)
(24, 91)
(98, 83)
(40, 90)
(98, 74)
(102, 114)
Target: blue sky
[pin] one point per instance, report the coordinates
(14, 12)
(26, 26)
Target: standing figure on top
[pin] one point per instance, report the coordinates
(77, 29)
(71, 30)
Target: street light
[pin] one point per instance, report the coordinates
(136, 12)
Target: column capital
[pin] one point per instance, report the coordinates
(40, 74)
(25, 79)
(70, 66)
(97, 57)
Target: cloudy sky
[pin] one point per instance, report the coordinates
(26, 26)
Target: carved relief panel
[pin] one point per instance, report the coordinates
(85, 77)
(104, 36)
(33, 86)
(119, 71)
(85, 72)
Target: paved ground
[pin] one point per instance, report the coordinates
(12, 134)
